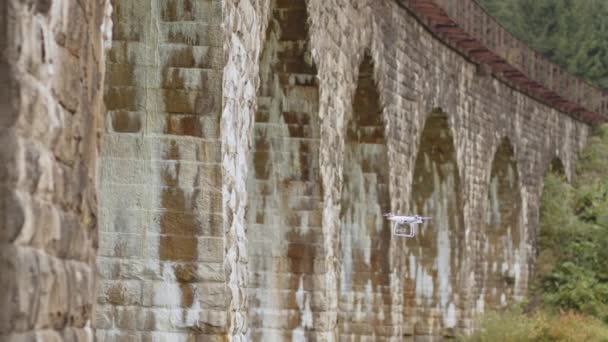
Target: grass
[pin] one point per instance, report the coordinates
(514, 326)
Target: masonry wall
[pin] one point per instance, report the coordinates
(161, 251)
(364, 305)
(51, 76)
(481, 112)
(285, 196)
(243, 171)
(418, 76)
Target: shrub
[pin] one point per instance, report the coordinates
(513, 325)
(509, 326)
(572, 264)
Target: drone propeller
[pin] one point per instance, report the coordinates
(387, 214)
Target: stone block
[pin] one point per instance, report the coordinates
(125, 146)
(121, 221)
(13, 224)
(124, 98)
(191, 33)
(173, 148)
(104, 317)
(184, 223)
(67, 87)
(67, 22)
(130, 52)
(185, 56)
(120, 293)
(124, 171)
(126, 196)
(188, 10)
(121, 245)
(184, 248)
(192, 125)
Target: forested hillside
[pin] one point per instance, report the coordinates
(572, 33)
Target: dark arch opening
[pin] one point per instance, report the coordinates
(435, 255)
(556, 167)
(502, 235)
(364, 292)
(285, 197)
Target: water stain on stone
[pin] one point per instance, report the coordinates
(286, 169)
(174, 245)
(435, 256)
(502, 229)
(126, 122)
(188, 125)
(365, 235)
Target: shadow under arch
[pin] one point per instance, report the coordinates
(364, 282)
(285, 195)
(436, 255)
(501, 264)
(555, 202)
(557, 167)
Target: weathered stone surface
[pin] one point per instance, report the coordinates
(52, 68)
(305, 164)
(364, 290)
(162, 242)
(244, 25)
(249, 149)
(284, 184)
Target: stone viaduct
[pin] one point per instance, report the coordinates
(210, 170)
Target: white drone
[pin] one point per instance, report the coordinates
(412, 221)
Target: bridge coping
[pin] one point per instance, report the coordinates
(467, 27)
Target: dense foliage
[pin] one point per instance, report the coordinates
(572, 33)
(573, 241)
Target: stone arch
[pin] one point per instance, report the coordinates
(556, 166)
(284, 187)
(364, 282)
(502, 236)
(435, 257)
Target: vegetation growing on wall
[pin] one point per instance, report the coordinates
(572, 33)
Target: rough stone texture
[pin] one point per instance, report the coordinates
(501, 242)
(232, 212)
(340, 32)
(285, 241)
(244, 25)
(365, 308)
(435, 258)
(161, 253)
(417, 75)
(51, 73)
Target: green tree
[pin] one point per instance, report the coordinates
(572, 266)
(572, 33)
